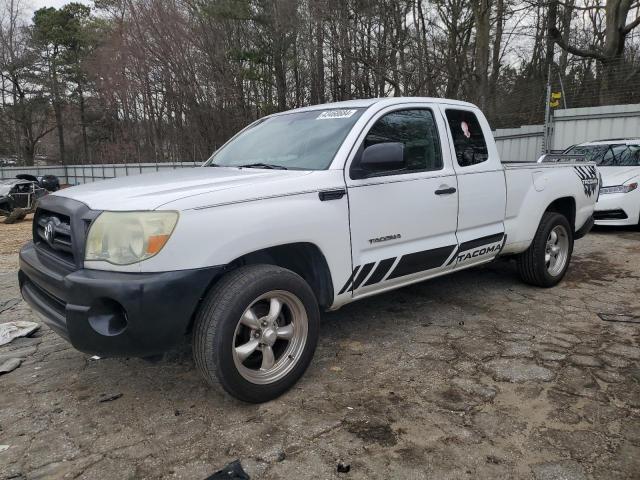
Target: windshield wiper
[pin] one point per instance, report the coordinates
(263, 165)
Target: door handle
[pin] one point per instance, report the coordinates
(445, 191)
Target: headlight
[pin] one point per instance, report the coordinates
(123, 238)
(619, 189)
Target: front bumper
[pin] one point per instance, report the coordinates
(113, 313)
(618, 209)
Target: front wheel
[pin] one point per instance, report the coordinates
(546, 260)
(256, 332)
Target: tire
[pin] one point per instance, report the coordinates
(245, 297)
(533, 266)
(17, 215)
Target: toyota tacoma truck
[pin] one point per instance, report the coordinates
(302, 211)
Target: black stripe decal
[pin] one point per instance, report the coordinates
(346, 285)
(479, 242)
(420, 261)
(380, 271)
(362, 275)
(504, 242)
(453, 258)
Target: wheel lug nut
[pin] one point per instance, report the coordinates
(264, 323)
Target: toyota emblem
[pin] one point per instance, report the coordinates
(49, 229)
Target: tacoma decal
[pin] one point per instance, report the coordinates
(589, 177)
(395, 236)
(479, 252)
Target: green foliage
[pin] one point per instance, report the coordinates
(226, 9)
(63, 27)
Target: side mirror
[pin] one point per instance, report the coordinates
(383, 157)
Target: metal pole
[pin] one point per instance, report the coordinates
(564, 97)
(547, 115)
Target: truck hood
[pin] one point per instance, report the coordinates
(612, 176)
(154, 190)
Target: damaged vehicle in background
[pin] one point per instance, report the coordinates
(19, 196)
(618, 162)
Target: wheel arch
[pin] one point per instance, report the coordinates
(565, 206)
(304, 258)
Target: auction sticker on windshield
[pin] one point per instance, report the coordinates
(331, 114)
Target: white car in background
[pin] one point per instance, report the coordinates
(618, 162)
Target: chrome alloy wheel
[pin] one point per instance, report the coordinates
(270, 337)
(556, 251)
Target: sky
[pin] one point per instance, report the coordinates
(36, 4)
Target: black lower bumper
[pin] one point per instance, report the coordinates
(114, 313)
(586, 228)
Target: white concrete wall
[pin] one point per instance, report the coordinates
(570, 126)
(519, 144)
(577, 125)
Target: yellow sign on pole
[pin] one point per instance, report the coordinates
(556, 95)
(554, 104)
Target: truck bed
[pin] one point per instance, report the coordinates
(532, 187)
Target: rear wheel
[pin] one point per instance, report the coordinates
(546, 260)
(256, 332)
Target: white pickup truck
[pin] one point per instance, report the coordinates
(302, 210)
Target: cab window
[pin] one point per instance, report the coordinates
(468, 139)
(416, 134)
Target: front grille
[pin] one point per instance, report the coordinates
(610, 215)
(52, 233)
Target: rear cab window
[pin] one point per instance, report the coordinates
(468, 140)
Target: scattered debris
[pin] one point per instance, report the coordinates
(7, 304)
(232, 471)
(95, 357)
(619, 317)
(19, 328)
(109, 397)
(176, 413)
(4, 447)
(343, 467)
(10, 365)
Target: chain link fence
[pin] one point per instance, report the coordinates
(79, 174)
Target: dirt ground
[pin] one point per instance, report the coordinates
(470, 376)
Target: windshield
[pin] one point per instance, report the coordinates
(297, 141)
(620, 155)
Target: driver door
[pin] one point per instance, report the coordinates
(403, 221)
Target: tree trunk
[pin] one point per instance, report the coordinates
(320, 61)
(495, 60)
(482, 12)
(83, 124)
(566, 31)
(552, 18)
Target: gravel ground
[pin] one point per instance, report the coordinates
(470, 376)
